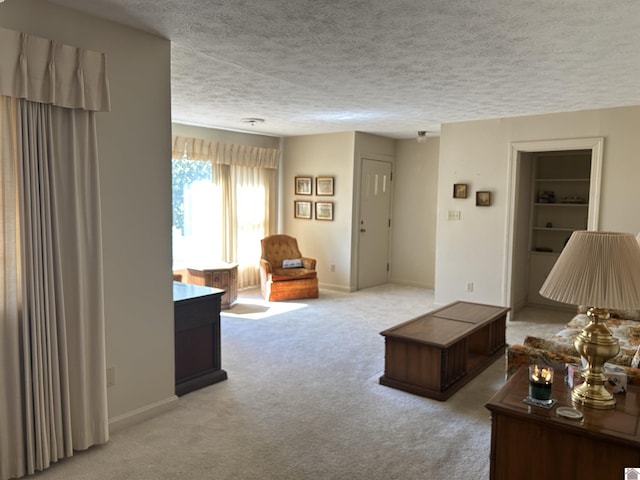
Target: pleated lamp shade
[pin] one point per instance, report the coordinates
(597, 269)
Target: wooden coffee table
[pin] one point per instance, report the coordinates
(435, 354)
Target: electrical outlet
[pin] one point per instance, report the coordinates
(111, 377)
(469, 286)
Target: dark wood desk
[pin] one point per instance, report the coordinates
(435, 354)
(197, 336)
(529, 442)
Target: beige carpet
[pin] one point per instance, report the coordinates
(303, 402)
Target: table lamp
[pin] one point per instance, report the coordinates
(602, 271)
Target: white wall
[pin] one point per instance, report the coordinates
(134, 141)
(328, 242)
(474, 248)
(413, 209)
(414, 212)
(467, 249)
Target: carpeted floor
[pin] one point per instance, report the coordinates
(303, 402)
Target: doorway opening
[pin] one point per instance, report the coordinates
(532, 237)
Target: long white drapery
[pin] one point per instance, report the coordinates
(252, 201)
(244, 177)
(52, 362)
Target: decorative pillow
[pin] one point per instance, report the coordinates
(626, 314)
(551, 345)
(292, 263)
(626, 331)
(558, 345)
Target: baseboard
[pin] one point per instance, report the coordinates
(141, 414)
(347, 289)
(339, 288)
(411, 283)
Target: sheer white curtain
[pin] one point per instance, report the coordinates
(245, 178)
(52, 374)
(251, 199)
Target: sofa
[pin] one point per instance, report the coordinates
(558, 350)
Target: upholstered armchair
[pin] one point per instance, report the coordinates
(284, 273)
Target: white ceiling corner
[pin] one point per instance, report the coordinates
(389, 67)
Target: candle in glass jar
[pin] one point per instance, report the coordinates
(540, 382)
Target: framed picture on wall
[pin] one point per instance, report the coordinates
(303, 185)
(302, 209)
(324, 210)
(324, 186)
(459, 190)
(483, 199)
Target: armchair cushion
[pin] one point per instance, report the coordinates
(287, 274)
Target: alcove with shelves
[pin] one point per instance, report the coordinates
(559, 206)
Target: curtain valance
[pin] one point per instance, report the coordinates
(49, 72)
(225, 153)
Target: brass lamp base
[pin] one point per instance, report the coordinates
(597, 345)
(593, 396)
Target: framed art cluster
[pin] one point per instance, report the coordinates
(483, 198)
(306, 209)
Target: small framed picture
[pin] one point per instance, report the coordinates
(324, 210)
(483, 199)
(459, 190)
(324, 186)
(302, 209)
(303, 185)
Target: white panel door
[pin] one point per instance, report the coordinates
(375, 223)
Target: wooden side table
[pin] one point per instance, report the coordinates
(530, 442)
(223, 276)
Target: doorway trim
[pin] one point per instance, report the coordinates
(355, 224)
(595, 144)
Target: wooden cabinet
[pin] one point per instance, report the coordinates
(197, 337)
(223, 276)
(559, 206)
(530, 442)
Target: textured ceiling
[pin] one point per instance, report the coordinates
(389, 67)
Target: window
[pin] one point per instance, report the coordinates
(197, 208)
(222, 203)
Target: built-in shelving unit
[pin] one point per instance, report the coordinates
(559, 206)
